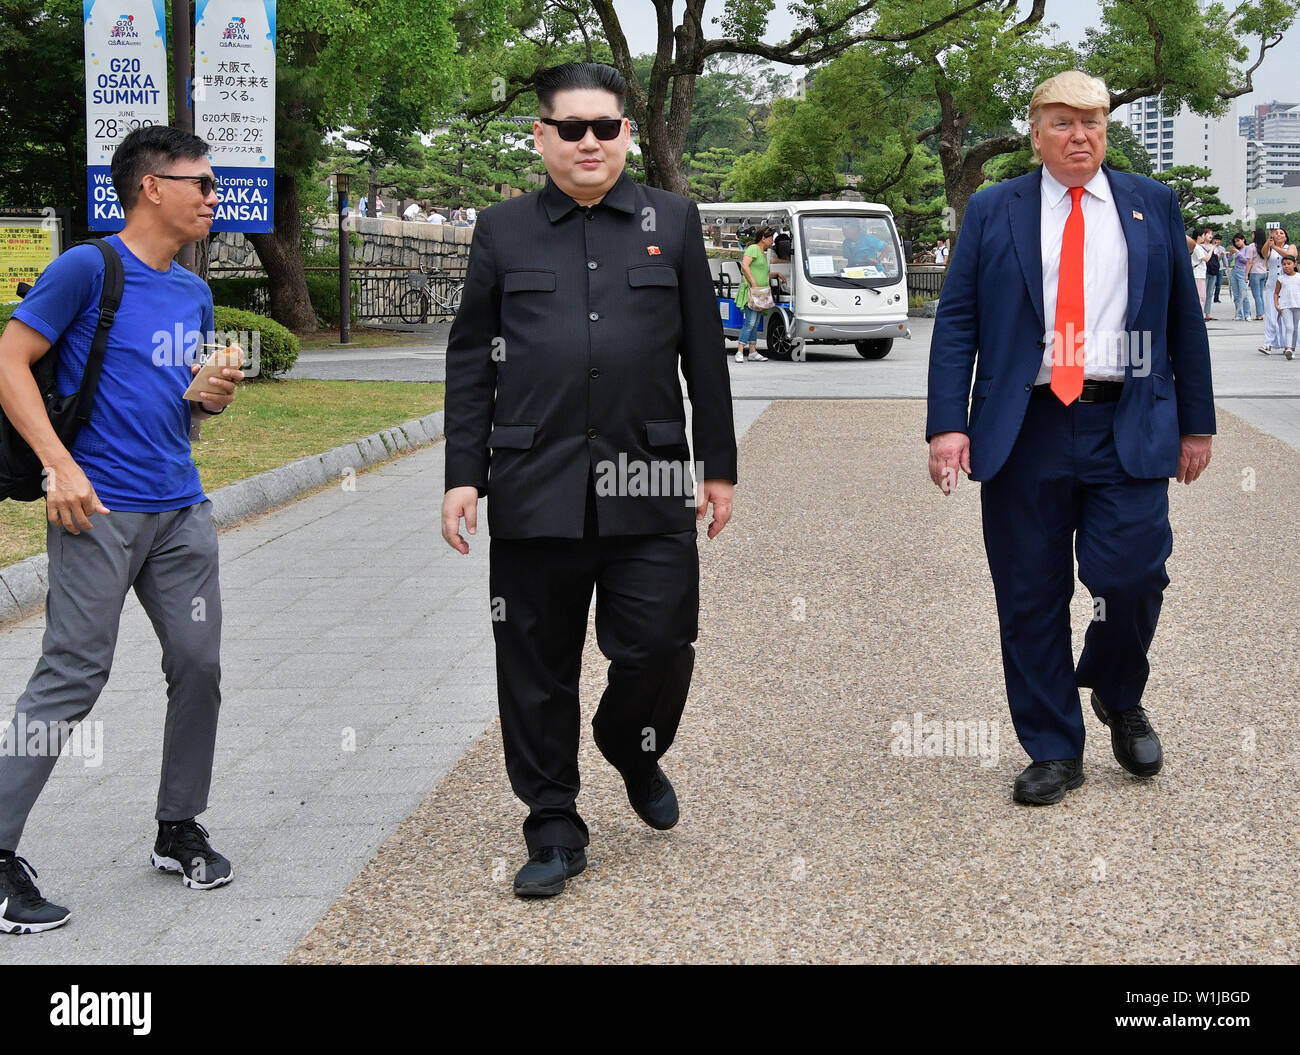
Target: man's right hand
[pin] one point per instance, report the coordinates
(457, 503)
(70, 499)
(949, 452)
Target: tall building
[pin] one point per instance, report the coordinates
(1272, 134)
(1271, 121)
(1188, 138)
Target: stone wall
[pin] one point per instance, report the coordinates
(386, 243)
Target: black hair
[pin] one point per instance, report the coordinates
(146, 150)
(764, 232)
(570, 76)
(1260, 238)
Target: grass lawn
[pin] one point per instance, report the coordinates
(271, 423)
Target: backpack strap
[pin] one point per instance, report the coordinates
(110, 299)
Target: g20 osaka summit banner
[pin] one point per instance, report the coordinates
(234, 107)
(126, 87)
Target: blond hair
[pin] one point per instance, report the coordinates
(1071, 88)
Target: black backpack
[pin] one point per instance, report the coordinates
(21, 473)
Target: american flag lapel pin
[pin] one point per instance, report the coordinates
(653, 250)
(1137, 215)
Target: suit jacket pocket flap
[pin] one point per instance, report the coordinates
(665, 433)
(517, 437)
(520, 281)
(651, 275)
(1164, 388)
(982, 386)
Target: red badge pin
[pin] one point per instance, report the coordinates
(653, 250)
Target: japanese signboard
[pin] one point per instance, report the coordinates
(126, 87)
(26, 248)
(234, 107)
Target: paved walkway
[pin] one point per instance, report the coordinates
(359, 719)
(813, 831)
(358, 668)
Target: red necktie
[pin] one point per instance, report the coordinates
(1067, 336)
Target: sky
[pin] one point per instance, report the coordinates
(1275, 79)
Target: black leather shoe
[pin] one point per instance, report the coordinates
(654, 800)
(1136, 746)
(547, 870)
(1042, 783)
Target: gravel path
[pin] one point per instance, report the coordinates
(808, 834)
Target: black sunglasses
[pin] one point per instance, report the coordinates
(206, 184)
(572, 130)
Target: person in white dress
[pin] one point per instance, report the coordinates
(1275, 250)
(1286, 299)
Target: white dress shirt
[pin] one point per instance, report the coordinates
(1105, 276)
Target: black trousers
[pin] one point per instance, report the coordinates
(647, 612)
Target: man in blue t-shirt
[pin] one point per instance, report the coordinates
(859, 247)
(125, 507)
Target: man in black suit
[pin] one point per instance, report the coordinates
(563, 402)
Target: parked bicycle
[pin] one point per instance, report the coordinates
(433, 292)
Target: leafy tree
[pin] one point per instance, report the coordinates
(1198, 201)
(707, 172)
(1121, 138)
(43, 106)
(662, 107)
(382, 66)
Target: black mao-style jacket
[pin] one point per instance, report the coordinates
(562, 365)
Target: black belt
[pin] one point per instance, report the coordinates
(1093, 391)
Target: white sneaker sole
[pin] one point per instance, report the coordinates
(10, 927)
(170, 864)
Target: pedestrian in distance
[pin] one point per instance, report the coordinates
(1239, 261)
(582, 301)
(124, 506)
(1215, 265)
(754, 297)
(1276, 249)
(1201, 254)
(1257, 270)
(1084, 402)
(1286, 301)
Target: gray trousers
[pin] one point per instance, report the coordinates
(171, 561)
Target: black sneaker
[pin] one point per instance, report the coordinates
(182, 846)
(22, 909)
(547, 870)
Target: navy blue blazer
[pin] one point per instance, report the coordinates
(990, 324)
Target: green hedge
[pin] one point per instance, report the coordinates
(6, 310)
(324, 292)
(241, 293)
(277, 346)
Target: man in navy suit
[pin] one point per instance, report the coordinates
(1092, 387)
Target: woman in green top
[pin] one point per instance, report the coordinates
(754, 265)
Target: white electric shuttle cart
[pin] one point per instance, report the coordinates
(843, 281)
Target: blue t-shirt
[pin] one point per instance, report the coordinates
(862, 251)
(136, 448)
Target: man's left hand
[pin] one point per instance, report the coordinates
(216, 401)
(720, 493)
(1193, 457)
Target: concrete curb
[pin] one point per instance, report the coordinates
(23, 585)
